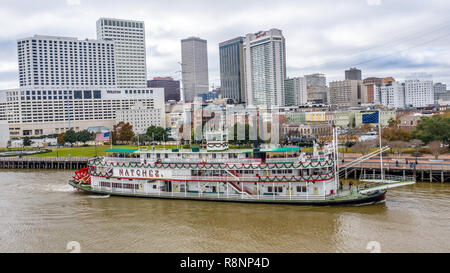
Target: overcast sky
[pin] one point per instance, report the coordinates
(381, 37)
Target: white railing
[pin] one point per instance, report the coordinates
(121, 160)
(283, 160)
(325, 176)
(210, 160)
(387, 178)
(221, 195)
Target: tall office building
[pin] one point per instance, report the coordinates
(171, 87)
(419, 90)
(353, 74)
(55, 61)
(265, 68)
(439, 88)
(317, 90)
(232, 82)
(346, 93)
(194, 68)
(130, 55)
(295, 91)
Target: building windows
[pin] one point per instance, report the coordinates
(87, 94)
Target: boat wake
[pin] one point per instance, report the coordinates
(60, 188)
(98, 196)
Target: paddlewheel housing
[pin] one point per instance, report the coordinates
(82, 176)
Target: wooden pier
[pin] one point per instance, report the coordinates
(424, 171)
(58, 163)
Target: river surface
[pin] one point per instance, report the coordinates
(39, 212)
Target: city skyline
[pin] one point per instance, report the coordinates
(337, 36)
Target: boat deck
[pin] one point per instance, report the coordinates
(340, 199)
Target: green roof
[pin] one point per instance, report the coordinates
(119, 150)
(286, 149)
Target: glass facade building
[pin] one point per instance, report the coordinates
(232, 69)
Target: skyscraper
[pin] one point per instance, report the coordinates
(353, 74)
(295, 91)
(232, 82)
(316, 85)
(265, 68)
(194, 59)
(129, 38)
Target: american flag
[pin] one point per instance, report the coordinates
(370, 118)
(102, 137)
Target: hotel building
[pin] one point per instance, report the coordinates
(53, 110)
(419, 90)
(130, 54)
(265, 68)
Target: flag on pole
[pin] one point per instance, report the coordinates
(102, 136)
(370, 118)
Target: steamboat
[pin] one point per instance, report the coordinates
(277, 175)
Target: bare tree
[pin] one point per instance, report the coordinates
(416, 143)
(397, 146)
(436, 147)
(364, 147)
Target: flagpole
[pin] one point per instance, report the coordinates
(110, 138)
(381, 152)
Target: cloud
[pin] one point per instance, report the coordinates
(321, 36)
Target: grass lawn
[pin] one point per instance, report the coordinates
(90, 151)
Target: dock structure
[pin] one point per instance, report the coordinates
(58, 163)
(423, 171)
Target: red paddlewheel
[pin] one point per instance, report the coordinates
(82, 176)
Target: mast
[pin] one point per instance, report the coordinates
(381, 152)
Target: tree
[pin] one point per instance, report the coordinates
(436, 147)
(363, 147)
(416, 144)
(433, 128)
(394, 134)
(126, 132)
(122, 132)
(70, 137)
(84, 136)
(141, 139)
(393, 122)
(61, 138)
(397, 146)
(26, 141)
(157, 133)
